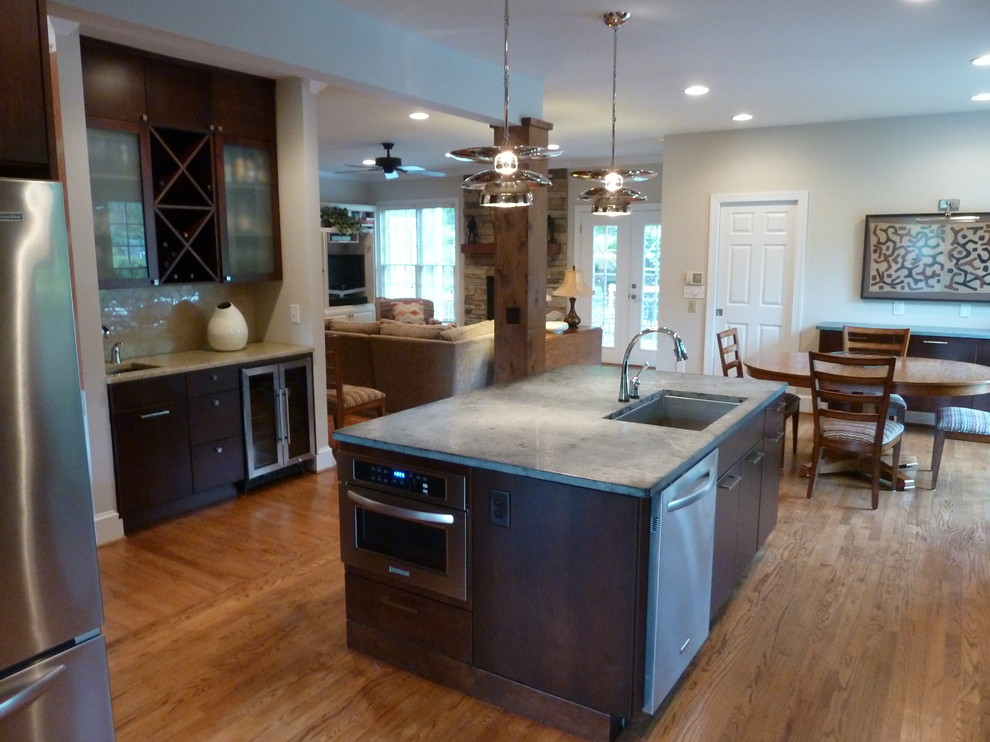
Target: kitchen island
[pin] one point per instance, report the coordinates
(535, 595)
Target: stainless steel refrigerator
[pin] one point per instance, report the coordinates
(54, 685)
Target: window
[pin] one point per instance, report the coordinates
(417, 255)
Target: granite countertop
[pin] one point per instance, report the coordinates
(950, 332)
(197, 360)
(551, 426)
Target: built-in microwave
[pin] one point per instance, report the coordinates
(405, 526)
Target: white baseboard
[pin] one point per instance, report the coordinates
(109, 527)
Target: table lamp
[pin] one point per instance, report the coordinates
(572, 287)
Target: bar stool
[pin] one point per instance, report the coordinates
(961, 424)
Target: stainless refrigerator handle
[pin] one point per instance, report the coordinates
(415, 516)
(279, 416)
(29, 694)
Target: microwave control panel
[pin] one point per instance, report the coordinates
(399, 478)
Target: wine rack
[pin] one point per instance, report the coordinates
(185, 206)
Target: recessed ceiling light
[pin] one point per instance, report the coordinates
(981, 97)
(743, 117)
(696, 90)
(983, 61)
(419, 115)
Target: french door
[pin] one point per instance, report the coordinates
(621, 258)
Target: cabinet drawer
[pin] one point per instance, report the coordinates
(212, 380)
(416, 619)
(217, 463)
(214, 416)
(136, 395)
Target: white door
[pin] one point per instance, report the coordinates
(621, 258)
(758, 243)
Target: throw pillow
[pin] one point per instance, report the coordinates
(408, 330)
(410, 312)
(478, 329)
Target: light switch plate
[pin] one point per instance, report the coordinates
(694, 292)
(898, 307)
(965, 310)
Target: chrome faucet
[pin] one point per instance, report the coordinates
(679, 353)
(115, 352)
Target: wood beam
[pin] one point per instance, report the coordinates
(521, 269)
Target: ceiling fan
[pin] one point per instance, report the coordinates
(392, 166)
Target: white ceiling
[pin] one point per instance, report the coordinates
(786, 62)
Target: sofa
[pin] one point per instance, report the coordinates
(415, 363)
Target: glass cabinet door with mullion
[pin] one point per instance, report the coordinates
(249, 212)
(122, 213)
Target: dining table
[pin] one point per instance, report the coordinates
(913, 377)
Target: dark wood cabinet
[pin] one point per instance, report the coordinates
(559, 596)
(177, 443)
(746, 501)
(209, 162)
(150, 433)
(216, 435)
(113, 82)
(27, 112)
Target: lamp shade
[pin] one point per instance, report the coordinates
(573, 285)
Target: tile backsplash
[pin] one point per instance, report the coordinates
(167, 319)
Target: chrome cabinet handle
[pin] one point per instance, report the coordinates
(160, 413)
(414, 516)
(935, 342)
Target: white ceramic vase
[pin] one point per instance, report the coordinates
(227, 329)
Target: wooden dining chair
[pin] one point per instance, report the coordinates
(728, 353)
(849, 400)
(881, 341)
(960, 424)
(347, 399)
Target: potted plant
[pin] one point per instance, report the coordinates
(338, 218)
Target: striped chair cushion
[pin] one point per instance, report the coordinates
(847, 430)
(355, 395)
(896, 400)
(963, 420)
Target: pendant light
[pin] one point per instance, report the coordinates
(613, 198)
(506, 185)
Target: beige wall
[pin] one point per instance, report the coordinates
(849, 169)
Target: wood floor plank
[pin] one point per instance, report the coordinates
(227, 625)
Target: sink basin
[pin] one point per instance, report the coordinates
(112, 369)
(677, 410)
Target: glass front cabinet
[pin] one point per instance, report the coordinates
(278, 416)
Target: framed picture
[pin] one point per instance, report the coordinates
(929, 257)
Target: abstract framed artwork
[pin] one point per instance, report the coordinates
(927, 257)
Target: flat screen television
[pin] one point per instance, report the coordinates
(345, 279)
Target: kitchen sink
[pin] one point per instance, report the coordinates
(112, 369)
(682, 410)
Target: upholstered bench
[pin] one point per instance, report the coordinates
(961, 424)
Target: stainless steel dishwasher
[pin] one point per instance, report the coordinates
(682, 535)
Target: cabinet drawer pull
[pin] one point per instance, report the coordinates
(730, 485)
(755, 458)
(778, 436)
(215, 402)
(935, 342)
(160, 413)
(393, 604)
(218, 449)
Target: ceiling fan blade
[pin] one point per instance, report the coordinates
(420, 171)
(391, 176)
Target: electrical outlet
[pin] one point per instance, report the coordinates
(692, 306)
(965, 310)
(294, 314)
(498, 508)
(898, 308)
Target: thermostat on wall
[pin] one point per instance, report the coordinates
(694, 278)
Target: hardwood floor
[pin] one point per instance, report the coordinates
(852, 624)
